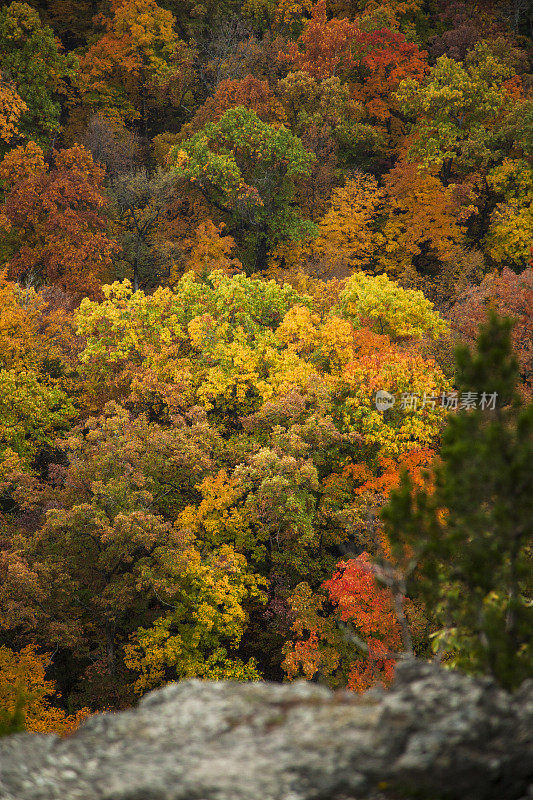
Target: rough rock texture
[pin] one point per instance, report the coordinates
(435, 734)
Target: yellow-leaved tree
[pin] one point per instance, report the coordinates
(11, 109)
(383, 306)
(348, 234)
(509, 237)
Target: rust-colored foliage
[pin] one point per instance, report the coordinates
(509, 294)
(54, 216)
(251, 92)
(423, 229)
(325, 47)
(387, 58)
(194, 464)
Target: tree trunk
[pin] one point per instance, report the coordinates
(110, 646)
(261, 254)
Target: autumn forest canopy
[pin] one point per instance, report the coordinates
(224, 228)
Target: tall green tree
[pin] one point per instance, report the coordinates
(470, 534)
(247, 171)
(31, 57)
(457, 110)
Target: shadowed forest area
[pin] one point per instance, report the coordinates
(266, 345)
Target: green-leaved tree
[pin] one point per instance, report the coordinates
(470, 532)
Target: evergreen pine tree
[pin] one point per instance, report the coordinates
(13, 721)
(469, 533)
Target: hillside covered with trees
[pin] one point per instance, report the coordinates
(266, 345)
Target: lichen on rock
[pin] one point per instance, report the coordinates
(435, 734)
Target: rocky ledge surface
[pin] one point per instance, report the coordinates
(435, 734)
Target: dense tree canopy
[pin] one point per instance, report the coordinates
(239, 242)
(246, 169)
(31, 57)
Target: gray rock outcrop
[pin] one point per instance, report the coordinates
(435, 734)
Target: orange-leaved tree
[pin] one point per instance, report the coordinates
(325, 47)
(23, 681)
(355, 646)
